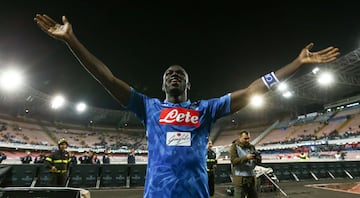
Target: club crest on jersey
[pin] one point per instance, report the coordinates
(179, 116)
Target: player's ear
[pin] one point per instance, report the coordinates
(188, 85)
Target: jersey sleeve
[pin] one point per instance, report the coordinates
(137, 104)
(220, 107)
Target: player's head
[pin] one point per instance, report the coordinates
(175, 81)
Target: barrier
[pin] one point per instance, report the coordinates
(315, 170)
(113, 175)
(304, 171)
(3, 172)
(84, 175)
(319, 170)
(44, 176)
(49, 192)
(117, 175)
(223, 173)
(353, 168)
(339, 170)
(20, 175)
(282, 170)
(137, 174)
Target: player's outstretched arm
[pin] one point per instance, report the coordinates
(241, 98)
(64, 32)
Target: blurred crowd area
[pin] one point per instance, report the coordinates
(332, 135)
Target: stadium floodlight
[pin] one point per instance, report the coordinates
(81, 107)
(315, 70)
(287, 94)
(11, 80)
(57, 102)
(282, 87)
(257, 101)
(325, 78)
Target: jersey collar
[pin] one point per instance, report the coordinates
(183, 104)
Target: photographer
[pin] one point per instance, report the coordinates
(244, 158)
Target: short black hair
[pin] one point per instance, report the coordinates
(244, 132)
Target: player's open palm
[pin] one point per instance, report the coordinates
(322, 56)
(53, 28)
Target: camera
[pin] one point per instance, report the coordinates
(257, 156)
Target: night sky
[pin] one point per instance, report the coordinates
(223, 46)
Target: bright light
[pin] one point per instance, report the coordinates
(287, 94)
(352, 104)
(257, 101)
(282, 86)
(325, 78)
(57, 102)
(80, 107)
(10, 80)
(315, 70)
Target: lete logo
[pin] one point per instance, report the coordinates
(179, 116)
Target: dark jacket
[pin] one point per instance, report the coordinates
(106, 159)
(26, 159)
(211, 160)
(59, 159)
(242, 166)
(131, 158)
(2, 157)
(73, 160)
(40, 159)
